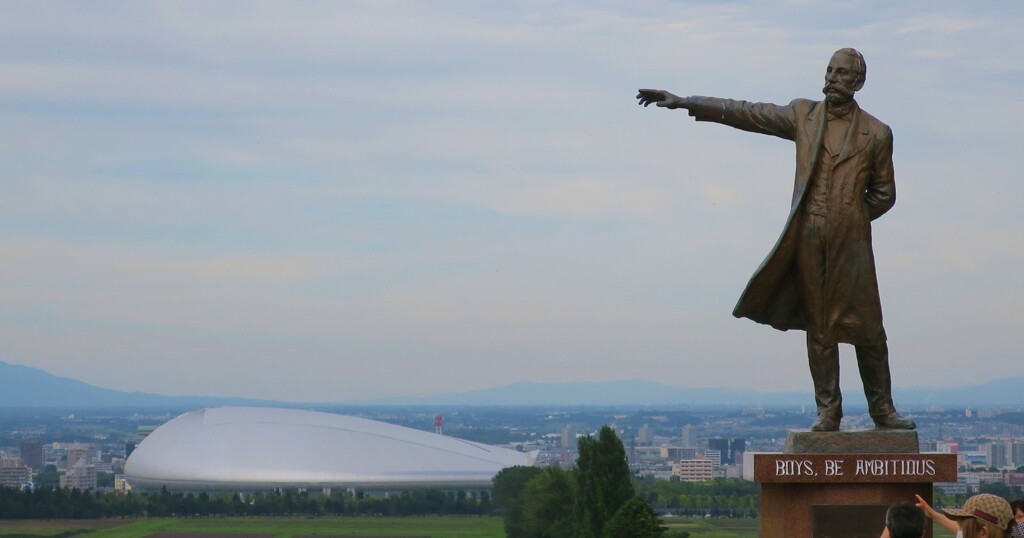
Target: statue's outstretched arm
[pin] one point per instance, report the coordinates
(764, 118)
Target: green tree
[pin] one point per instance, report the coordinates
(604, 482)
(636, 519)
(49, 477)
(104, 480)
(998, 489)
(548, 504)
(508, 496)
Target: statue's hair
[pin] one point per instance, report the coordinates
(858, 62)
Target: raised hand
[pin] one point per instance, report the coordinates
(661, 98)
(929, 512)
(936, 516)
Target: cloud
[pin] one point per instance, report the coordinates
(285, 201)
(941, 23)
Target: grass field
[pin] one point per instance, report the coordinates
(56, 527)
(282, 527)
(714, 528)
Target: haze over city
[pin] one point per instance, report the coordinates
(335, 201)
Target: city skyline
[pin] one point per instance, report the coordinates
(349, 201)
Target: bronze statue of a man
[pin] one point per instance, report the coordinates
(820, 276)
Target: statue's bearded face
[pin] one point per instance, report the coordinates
(842, 79)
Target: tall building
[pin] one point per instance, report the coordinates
(688, 440)
(722, 446)
(997, 455)
(714, 456)
(1017, 453)
(568, 437)
(736, 449)
(32, 454)
(646, 435)
(14, 473)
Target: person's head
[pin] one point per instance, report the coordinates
(983, 516)
(1018, 509)
(844, 76)
(1018, 516)
(904, 520)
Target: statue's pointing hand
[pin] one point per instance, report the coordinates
(661, 98)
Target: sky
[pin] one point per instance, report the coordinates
(325, 201)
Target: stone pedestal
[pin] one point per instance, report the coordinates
(839, 484)
(852, 442)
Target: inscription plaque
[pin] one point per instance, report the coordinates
(864, 468)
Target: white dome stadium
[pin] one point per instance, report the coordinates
(258, 448)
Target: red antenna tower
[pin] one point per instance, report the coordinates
(438, 422)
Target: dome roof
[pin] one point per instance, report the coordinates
(258, 448)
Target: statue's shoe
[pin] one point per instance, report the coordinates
(894, 421)
(826, 423)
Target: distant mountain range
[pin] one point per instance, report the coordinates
(22, 386)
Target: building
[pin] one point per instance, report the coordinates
(1017, 453)
(646, 435)
(568, 437)
(954, 488)
(714, 456)
(973, 458)
(670, 453)
(260, 448)
(997, 454)
(722, 446)
(736, 449)
(14, 473)
(77, 452)
(1013, 479)
(688, 437)
(695, 470)
(734, 471)
(32, 455)
(81, 476)
(120, 484)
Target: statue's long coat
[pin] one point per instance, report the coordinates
(861, 189)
